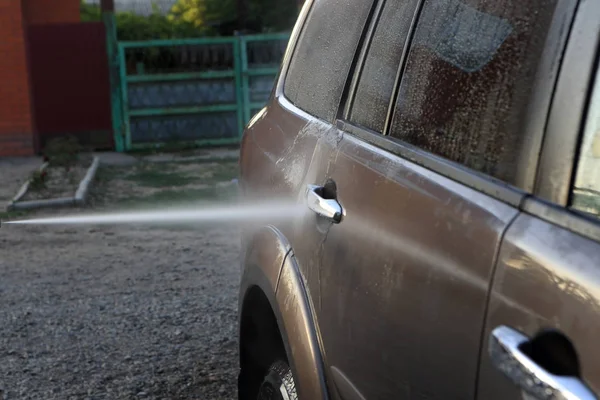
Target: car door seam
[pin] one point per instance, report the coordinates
(489, 295)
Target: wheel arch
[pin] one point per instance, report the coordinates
(273, 296)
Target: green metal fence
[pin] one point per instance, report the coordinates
(260, 59)
(192, 90)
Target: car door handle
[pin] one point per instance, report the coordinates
(326, 208)
(505, 351)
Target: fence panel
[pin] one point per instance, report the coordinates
(181, 91)
(195, 90)
(261, 57)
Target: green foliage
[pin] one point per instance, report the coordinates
(37, 181)
(188, 11)
(270, 15)
(132, 26)
(274, 15)
(194, 18)
(90, 12)
(203, 12)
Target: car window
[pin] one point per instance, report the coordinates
(468, 80)
(374, 89)
(323, 56)
(586, 188)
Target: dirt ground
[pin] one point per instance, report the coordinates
(122, 312)
(13, 173)
(59, 182)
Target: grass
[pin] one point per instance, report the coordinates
(158, 178)
(182, 148)
(587, 201)
(158, 175)
(180, 197)
(104, 175)
(170, 183)
(169, 147)
(8, 215)
(224, 172)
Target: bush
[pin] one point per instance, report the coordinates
(132, 26)
(37, 181)
(194, 18)
(90, 12)
(62, 152)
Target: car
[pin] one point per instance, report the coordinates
(447, 154)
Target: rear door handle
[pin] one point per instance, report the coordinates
(506, 354)
(326, 208)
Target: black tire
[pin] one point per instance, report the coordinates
(278, 383)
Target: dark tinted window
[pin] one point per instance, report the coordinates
(468, 79)
(324, 54)
(377, 77)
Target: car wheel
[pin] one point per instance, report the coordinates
(278, 384)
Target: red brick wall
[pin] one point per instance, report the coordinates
(17, 126)
(16, 130)
(70, 82)
(51, 11)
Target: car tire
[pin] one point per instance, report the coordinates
(278, 383)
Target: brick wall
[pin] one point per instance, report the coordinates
(50, 11)
(16, 126)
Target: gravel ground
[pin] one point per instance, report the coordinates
(119, 312)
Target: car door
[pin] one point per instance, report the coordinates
(426, 175)
(542, 329)
(279, 141)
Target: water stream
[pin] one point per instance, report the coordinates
(239, 212)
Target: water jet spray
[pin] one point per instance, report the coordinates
(238, 212)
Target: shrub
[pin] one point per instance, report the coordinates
(132, 26)
(37, 182)
(62, 152)
(194, 18)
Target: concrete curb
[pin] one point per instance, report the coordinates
(24, 187)
(84, 185)
(78, 199)
(46, 203)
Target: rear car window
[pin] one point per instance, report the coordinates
(323, 56)
(585, 196)
(468, 80)
(377, 78)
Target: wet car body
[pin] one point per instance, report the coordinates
(454, 261)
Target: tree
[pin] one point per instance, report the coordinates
(188, 11)
(90, 12)
(132, 26)
(263, 15)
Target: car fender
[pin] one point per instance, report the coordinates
(271, 265)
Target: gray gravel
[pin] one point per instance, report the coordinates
(118, 312)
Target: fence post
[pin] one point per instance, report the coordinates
(245, 80)
(125, 125)
(241, 80)
(108, 18)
